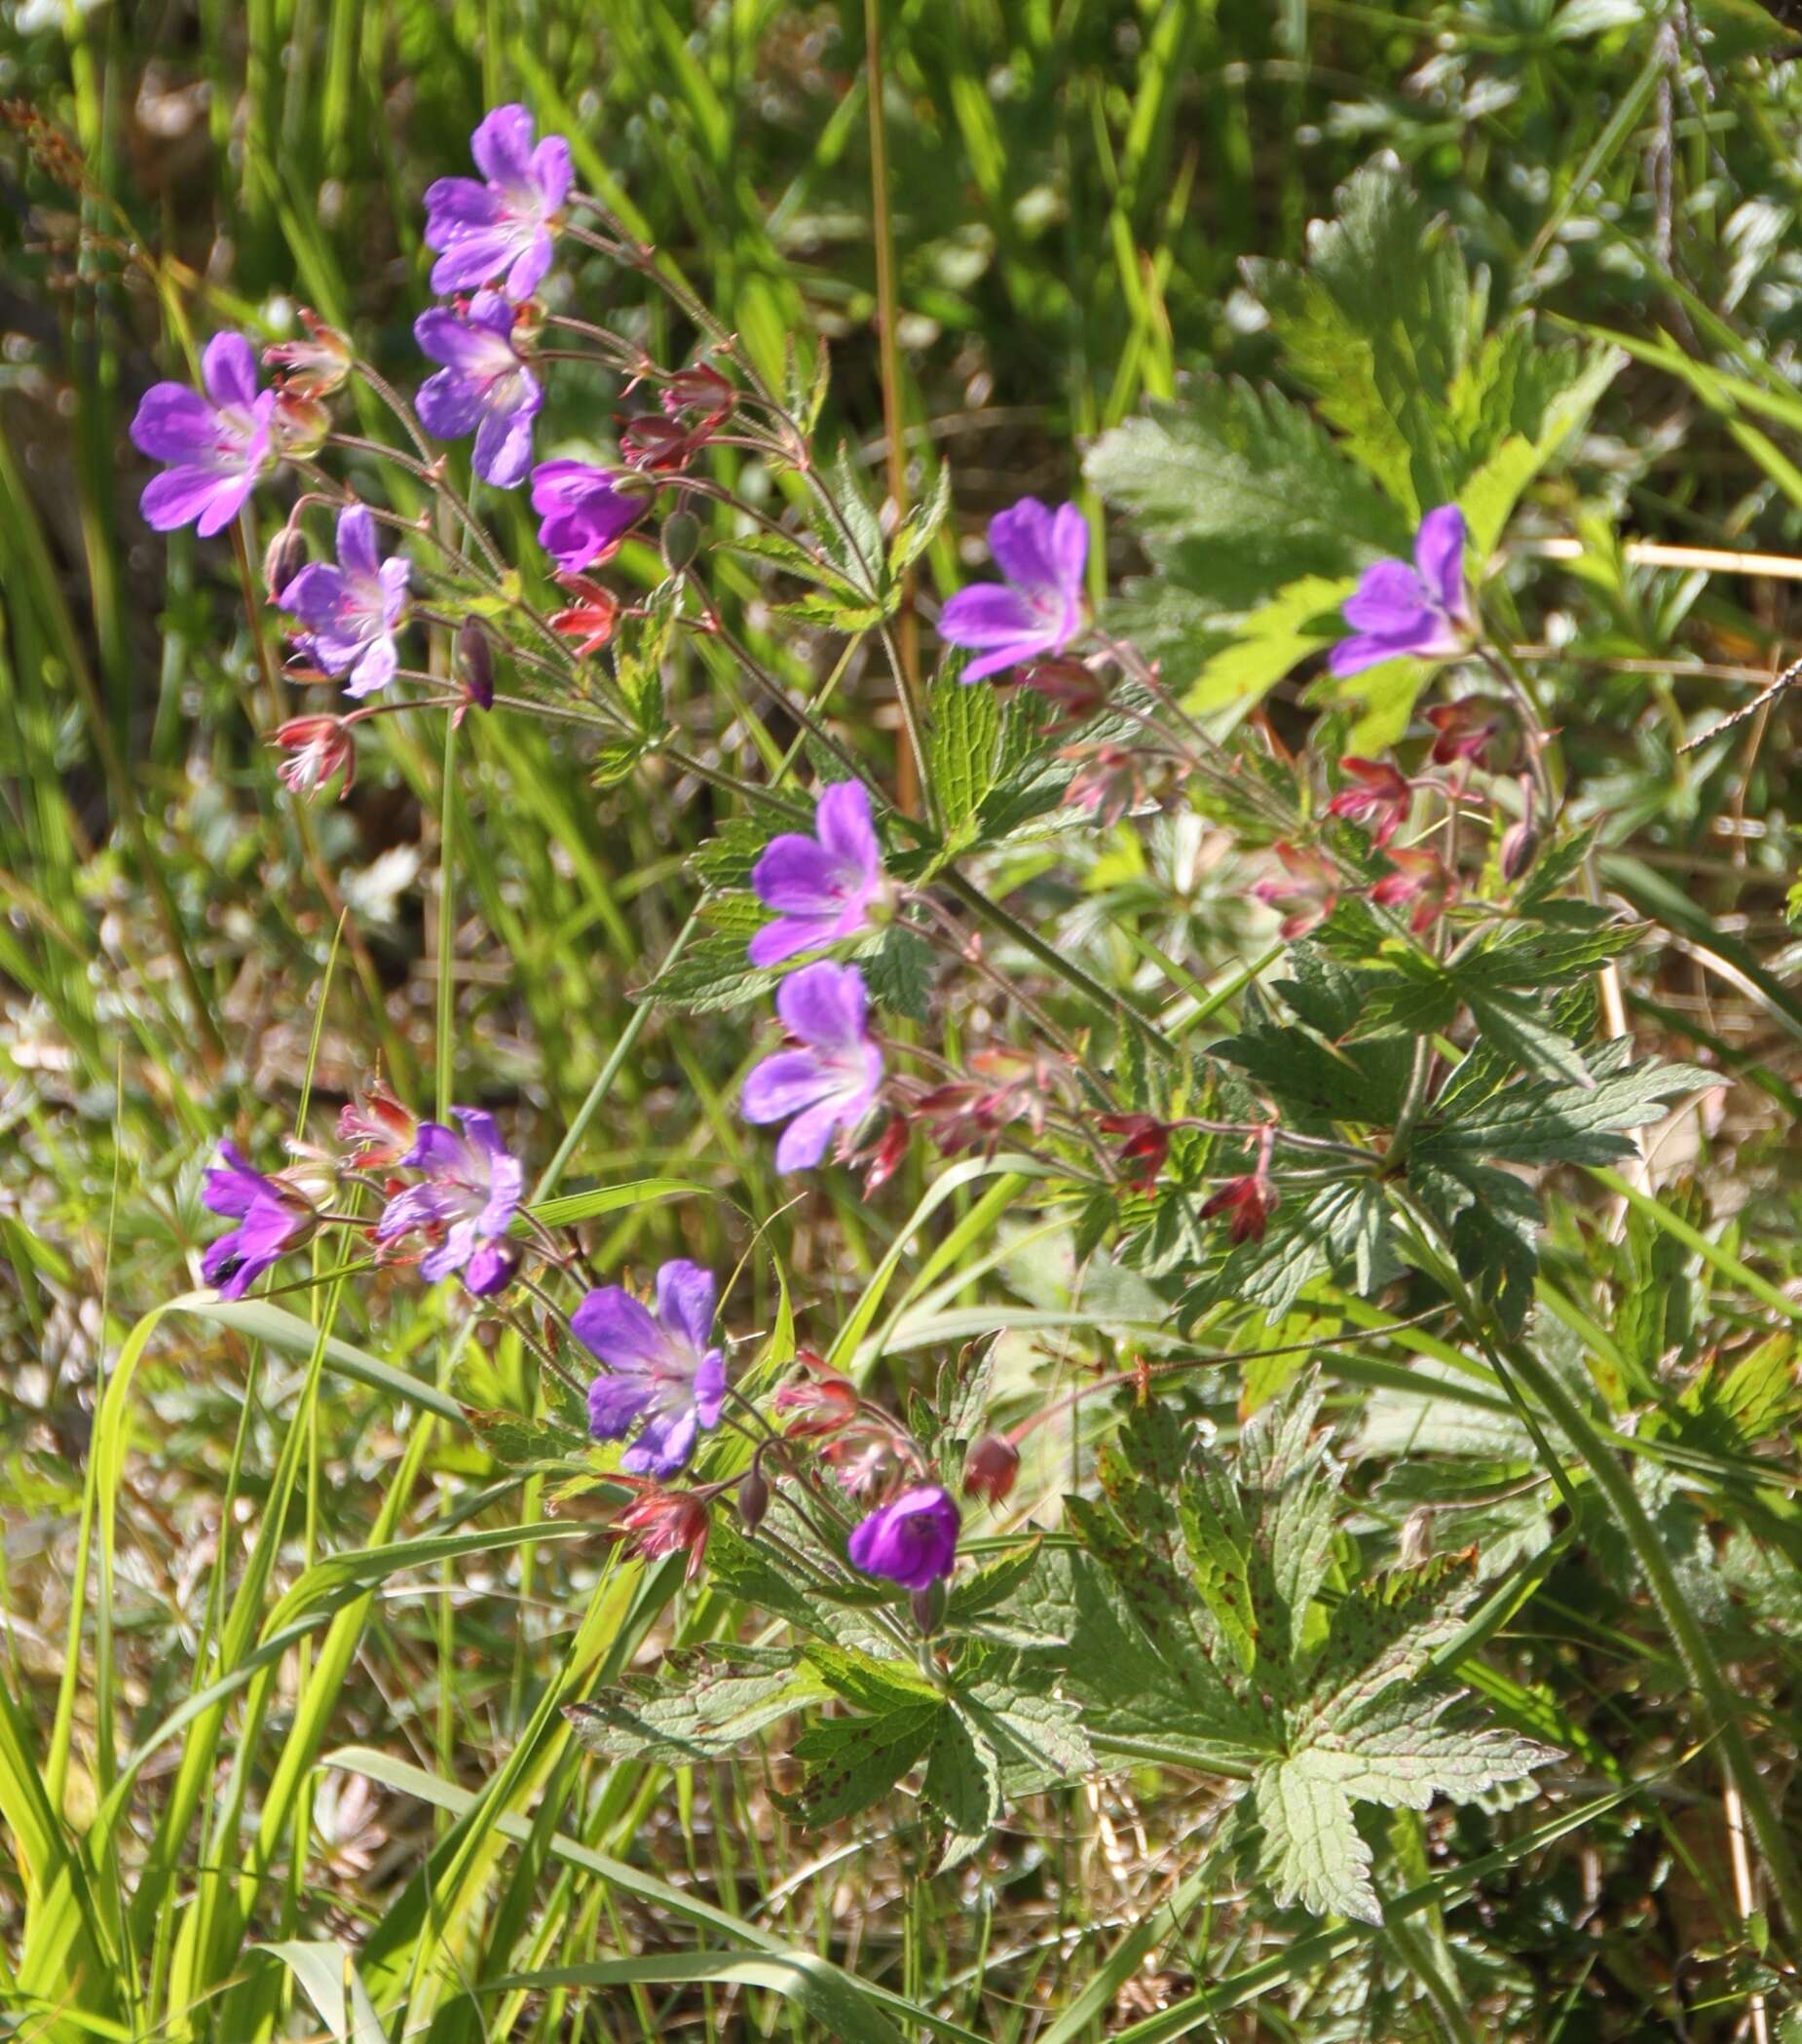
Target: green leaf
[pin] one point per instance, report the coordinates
(701, 1705)
(1402, 1757)
(1378, 325)
(899, 972)
(966, 724)
(964, 1785)
(714, 971)
(1315, 1081)
(1039, 1737)
(322, 1969)
(853, 1763)
(1494, 1220)
(974, 1594)
(868, 1684)
(920, 527)
(1311, 1852)
(1515, 1026)
(520, 1442)
(1537, 1123)
(1550, 394)
(1238, 494)
(858, 549)
(778, 550)
(1252, 519)
(1541, 957)
(1272, 641)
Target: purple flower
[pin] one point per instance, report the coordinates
(503, 226)
(350, 612)
(1039, 609)
(216, 446)
(912, 1541)
(1419, 610)
(659, 1369)
(484, 387)
(271, 1218)
(470, 1191)
(585, 512)
(823, 887)
(830, 1081)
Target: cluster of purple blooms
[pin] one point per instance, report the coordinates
(662, 1383)
(492, 236)
(662, 1380)
(825, 889)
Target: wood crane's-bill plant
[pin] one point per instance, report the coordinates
(1430, 1030)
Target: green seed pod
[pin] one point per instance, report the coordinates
(681, 541)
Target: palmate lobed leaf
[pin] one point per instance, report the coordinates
(699, 1705)
(853, 1763)
(1541, 1122)
(1226, 1658)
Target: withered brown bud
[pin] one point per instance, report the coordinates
(283, 559)
(1520, 849)
(753, 1499)
(990, 1467)
(475, 664)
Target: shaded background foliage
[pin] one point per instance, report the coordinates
(1073, 187)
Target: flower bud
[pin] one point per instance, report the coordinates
(300, 425)
(1520, 849)
(823, 1405)
(928, 1607)
(590, 618)
(475, 664)
(699, 389)
(681, 541)
(753, 1499)
(653, 444)
(317, 749)
(283, 559)
(667, 1521)
(1248, 1201)
(314, 367)
(885, 1158)
(375, 1130)
(990, 1468)
(1078, 689)
(1520, 840)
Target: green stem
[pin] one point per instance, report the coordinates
(1699, 1658)
(604, 1078)
(447, 924)
(1054, 961)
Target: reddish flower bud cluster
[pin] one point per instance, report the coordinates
(1107, 782)
(314, 367)
(661, 1523)
(1422, 880)
(1376, 796)
(1143, 1153)
(1076, 688)
(317, 747)
(1307, 887)
(376, 1130)
(991, 1468)
(968, 1115)
(697, 402)
(590, 618)
(1251, 1200)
